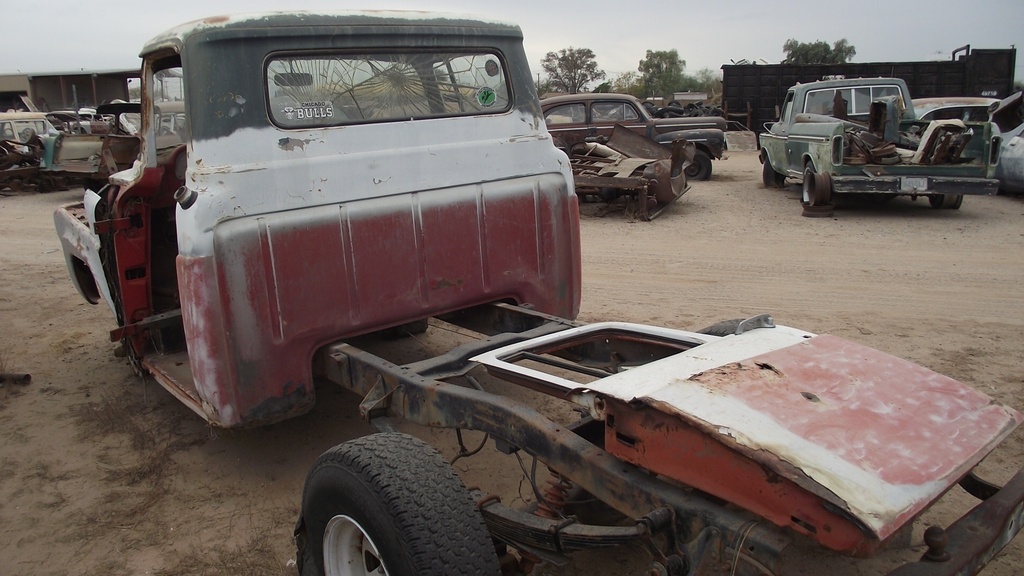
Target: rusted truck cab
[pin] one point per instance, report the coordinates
(306, 178)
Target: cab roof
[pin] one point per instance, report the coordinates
(288, 23)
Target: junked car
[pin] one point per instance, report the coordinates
(26, 146)
(338, 175)
(21, 126)
(81, 121)
(858, 136)
(968, 109)
(1008, 117)
(575, 118)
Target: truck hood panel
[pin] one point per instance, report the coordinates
(877, 436)
(887, 437)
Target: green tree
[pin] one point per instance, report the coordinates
(628, 83)
(818, 52)
(571, 69)
(662, 72)
(705, 80)
(544, 86)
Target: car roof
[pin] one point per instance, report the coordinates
(926, 104)
(22, 115)
(217, 28)
(585, 96)
(846, 83)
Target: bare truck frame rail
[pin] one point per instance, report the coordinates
(610, 452)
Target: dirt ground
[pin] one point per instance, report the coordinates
(102, 473)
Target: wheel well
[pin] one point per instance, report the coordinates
(84, 280)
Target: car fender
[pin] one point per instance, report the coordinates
(711, 140)
(81, 247)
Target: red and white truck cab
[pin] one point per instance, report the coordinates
(303, 179)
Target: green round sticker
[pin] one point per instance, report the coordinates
(486, 96)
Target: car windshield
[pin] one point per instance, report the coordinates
(168, 109)
(22, 130)
(327, 90)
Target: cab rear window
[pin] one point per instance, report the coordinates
(337, 89)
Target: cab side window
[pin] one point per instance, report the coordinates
(566, 114)
(613, 112)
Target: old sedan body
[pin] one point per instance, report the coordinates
(576, 118)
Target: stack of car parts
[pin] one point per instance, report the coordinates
(634, 166)
(19, 163)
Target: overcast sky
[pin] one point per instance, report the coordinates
(107, 34)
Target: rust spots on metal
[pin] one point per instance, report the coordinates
(754, 480)
(725, 377)
(635, 166)
(292, 144)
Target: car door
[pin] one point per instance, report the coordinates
(567, 124)
(1010, 170)
(605, 114)
(774, 139)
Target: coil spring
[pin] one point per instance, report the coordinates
(555, 497)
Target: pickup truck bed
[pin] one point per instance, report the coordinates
(885, 152)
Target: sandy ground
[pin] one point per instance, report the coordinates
(103, 473)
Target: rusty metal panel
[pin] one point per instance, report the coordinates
(875, 435)
(654, 439)
(634, 165)
(282, 284)
(833, 439)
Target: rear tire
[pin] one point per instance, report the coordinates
(389, 504)
(700, 168)
(770, 178)
(946, 201)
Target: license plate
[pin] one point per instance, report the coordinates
(910, 183)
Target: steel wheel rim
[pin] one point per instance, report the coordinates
(349, 551)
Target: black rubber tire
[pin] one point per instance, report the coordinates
(723, 328)
(405, 498)
(770, 178)
(946, 201)
(609, 195)
(822, 211)
(700, 168)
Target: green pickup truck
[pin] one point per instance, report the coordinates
(862, 136)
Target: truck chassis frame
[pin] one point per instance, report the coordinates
(686, 531)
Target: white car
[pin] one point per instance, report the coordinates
(20, 126)
(1009, 118)
(968, 109)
